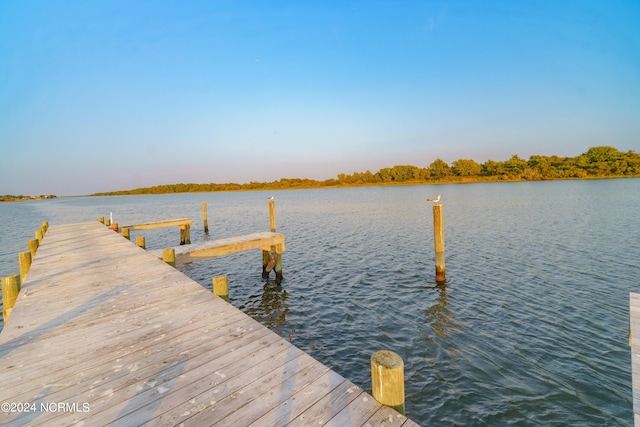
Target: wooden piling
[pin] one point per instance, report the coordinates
(114, 227)
(126, 233)
(185, 234)
(101, 219)
(33, 247)
(10, 290)
(24, 260)
(387, 379)
(39, 236)
(438, 239)
(140, 242)
(272, 259)
(45, 224)
(169, 256)
(107, 222)
(221, 287)
(204, 217)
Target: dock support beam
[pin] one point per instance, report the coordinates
(438, 239)
(387, 379)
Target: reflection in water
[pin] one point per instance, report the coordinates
(271, 308)
(439, 316)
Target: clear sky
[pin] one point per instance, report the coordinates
(108, 95)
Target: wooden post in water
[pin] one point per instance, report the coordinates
(387, 379)
(24, 260)
(204, 217)
(140, 242)
(438, 239)
(221, 287)
(185, 234)
(271, 259)
(10, 290)
(33, 247)
(126, 233)
(169, 256)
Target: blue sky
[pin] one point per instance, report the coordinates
(99, 96)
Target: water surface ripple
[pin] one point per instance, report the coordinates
(530, 328)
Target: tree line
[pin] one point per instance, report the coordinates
(597, 162)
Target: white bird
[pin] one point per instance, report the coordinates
(271, 198)
(435, 199)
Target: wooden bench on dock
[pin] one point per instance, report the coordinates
(104, 333)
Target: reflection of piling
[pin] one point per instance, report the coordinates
(272, 259)
(387, 379)
(438, 239)
(204, 217)
(221, 287)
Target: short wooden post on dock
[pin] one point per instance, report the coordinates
(169, 256)
(101, 219)
(114, 227)
(438, 239)
(140, 242)
(185, 234)
(24, 260)
(387, 379)
(45, 224)
(10, 290)
(221, 287)
(39, 236)
(126, 233)
(107, 222)
(204, 217)
(33, 247)
(43, 230)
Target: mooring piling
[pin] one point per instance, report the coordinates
(220, 286)
(169, 256)
(387, 379)
(272, 259)
(10, 290)
(204, 217)
(438, 239)
(33, 247)
(24, 260)
(140, 242)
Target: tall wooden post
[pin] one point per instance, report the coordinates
(140, 242)
(33, 247)
(24, 260)
(438, 239)
(10, 290)
(221, 287)
(387, 379)
(169, 256)
(204, 217)
(271, 259)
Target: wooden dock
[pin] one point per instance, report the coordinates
(105, 333)
(634, 342)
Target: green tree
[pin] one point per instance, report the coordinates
(439, 169)
(466, 167)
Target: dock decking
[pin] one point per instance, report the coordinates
(104, 333)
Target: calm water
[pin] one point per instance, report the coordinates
(531, 327)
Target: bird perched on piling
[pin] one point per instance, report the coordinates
(435, 199)
(271, 198)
